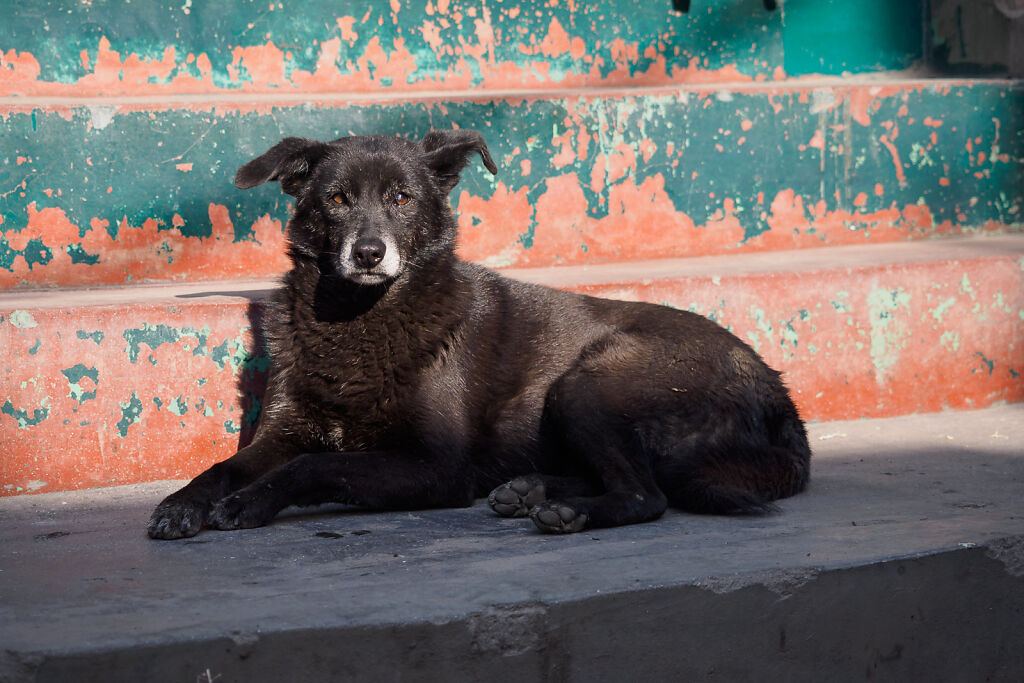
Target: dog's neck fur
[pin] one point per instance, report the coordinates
(415, 311)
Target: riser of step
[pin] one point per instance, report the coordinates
(126, 193)
(406, 46)
(144, 383)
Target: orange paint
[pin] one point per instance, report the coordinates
(817, 141)
(901, 175)
(143, 253)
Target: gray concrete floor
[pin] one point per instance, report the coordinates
(915, 515)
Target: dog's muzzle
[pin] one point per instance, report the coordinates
(370, 260)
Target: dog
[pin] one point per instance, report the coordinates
(403, 378)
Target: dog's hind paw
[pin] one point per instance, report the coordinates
(517, 497)
(553, 517)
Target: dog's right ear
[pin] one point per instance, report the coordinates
(289, 162)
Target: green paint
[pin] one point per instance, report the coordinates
(763, 326)
(990, 364)
(131, 410)
(178, 406)
(840, 303)
(154, 336)
(721, 34)
(941, 309)
(950, 340)
(96, 336)
(75, 375)
(35, 347)
(818, 35)
(888, 332)
(22, 417)
(80, 255)
(23, 320)
(965, 287)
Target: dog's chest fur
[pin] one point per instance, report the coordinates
(355, 375)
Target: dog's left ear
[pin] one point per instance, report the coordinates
(289, 162)
(447, 153)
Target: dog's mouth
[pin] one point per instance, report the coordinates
(368, 278)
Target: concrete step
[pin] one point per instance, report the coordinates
(903, 561)
(123, 191)
(124, 385)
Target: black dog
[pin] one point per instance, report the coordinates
(404, 378)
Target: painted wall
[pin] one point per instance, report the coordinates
(623, 131)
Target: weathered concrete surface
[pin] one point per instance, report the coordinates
(904, 561)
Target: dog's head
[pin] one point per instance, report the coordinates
(369, 207)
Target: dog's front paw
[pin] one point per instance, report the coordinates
(553, 517)
(241, 510)
(517, 497)
(177, 518)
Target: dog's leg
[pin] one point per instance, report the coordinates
(594, 417)
(184, 512)
(383, 480)
(517, 497)
(633, 496)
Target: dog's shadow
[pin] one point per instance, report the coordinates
(254, 364)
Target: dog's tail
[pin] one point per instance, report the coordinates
(739, 479)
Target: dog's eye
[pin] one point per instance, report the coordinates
(338, 198)
(401, 198)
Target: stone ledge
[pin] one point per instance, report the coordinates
(904, 560)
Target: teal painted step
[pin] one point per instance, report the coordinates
(103, 48)
(168, 46)
(118, 194)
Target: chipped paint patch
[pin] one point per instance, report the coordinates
(22, 416)
(75, 375)
(22, 320)
(131, 411)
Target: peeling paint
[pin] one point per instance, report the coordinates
(888, 332)
(22, 320)
(75, 375)
(598, 166)
(357, 47)
(22, 416)
(131, 411)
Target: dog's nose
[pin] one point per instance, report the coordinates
(368, 252)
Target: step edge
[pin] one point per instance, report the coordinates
(820, 259)
(312, 98)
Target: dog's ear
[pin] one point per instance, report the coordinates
(447, 153)
(289, 162)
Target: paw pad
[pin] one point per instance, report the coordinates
(517, 497)
(557, 518)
